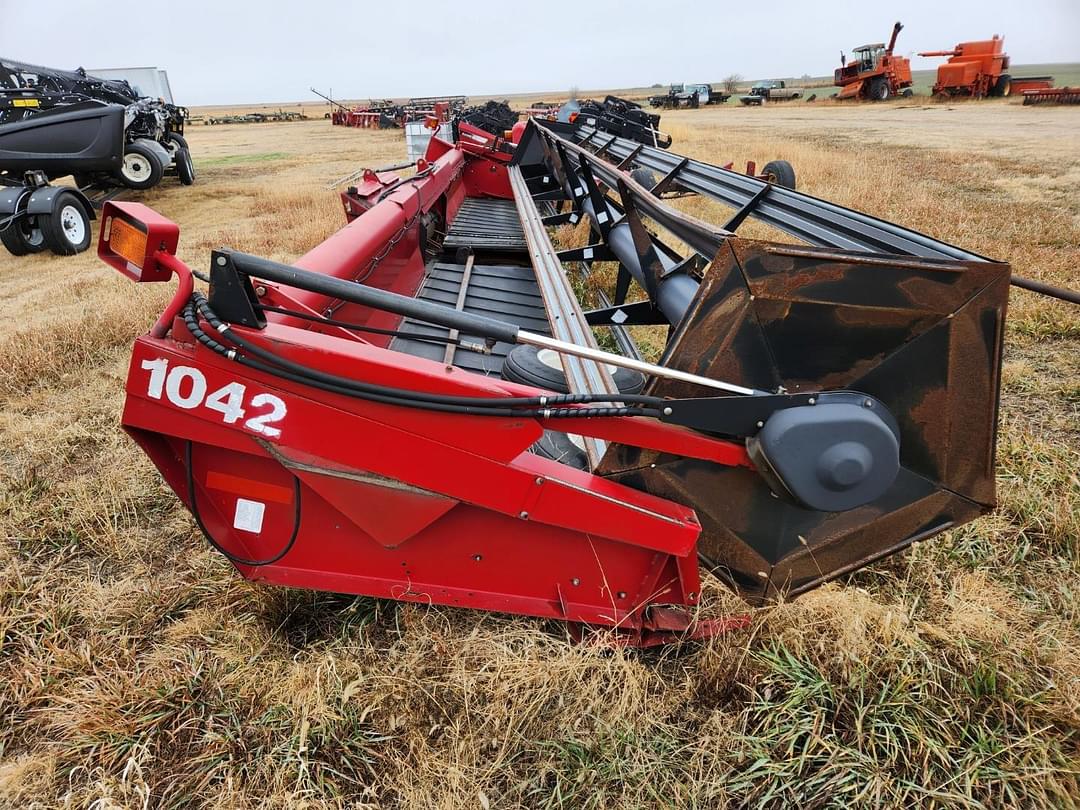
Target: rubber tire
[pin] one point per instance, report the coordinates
(907, 92)
(52, 227)
(523, 366)
(178, 139)
(157, 171)
(559, 447)
(782, 172)
(879, 90)
(644, 177)
(18, 242)
(1002, 87)
(185, 169)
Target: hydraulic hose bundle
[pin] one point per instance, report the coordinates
(268, 362)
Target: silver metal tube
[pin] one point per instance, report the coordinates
(544, 342)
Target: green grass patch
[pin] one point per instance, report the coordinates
(233, 160)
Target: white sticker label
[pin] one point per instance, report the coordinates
(547, 179)
(574, 218)
(602, 217)
(587, 253)
(249, 515)
(618, 316)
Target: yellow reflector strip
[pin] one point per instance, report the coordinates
(127, 241)
(25, 102)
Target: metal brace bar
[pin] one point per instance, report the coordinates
(740, 215)
(559, 219)
(669, 178)
(651, 266)
(599, 252)
(448, 357)
(603, 149)
(554, 194)
(640, 313)
(626, 161)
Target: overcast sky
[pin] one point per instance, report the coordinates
(227, 52)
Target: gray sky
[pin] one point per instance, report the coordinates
(248, 52)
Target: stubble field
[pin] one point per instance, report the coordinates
(138, 670)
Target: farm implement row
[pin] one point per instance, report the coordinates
(386, 114)
(1053, 95)
(418, 408)
(249, 118)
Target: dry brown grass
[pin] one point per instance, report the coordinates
(137, 670)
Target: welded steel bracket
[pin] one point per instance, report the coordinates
(640, 313)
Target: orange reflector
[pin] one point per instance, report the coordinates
(127, 241)
(248, 488)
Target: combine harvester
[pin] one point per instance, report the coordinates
(417, 408)
(874, 73)
(979, 69)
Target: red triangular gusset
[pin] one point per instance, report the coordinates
(389, 511)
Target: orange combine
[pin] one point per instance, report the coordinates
(979, 69)
(873, 72)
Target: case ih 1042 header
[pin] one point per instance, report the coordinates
(417, 408)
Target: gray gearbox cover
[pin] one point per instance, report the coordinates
(831, 456)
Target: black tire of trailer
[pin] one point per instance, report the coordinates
(1002, 87)
(185, 168)
(523, 365)
(908, 92)
(141, 155)
(67, 228)
(23, 236)
(780, 173)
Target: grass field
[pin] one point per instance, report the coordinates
(138, 670)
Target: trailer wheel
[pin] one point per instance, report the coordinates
(141, 168)
(908, 92)
(780, 173)
(67, 228)
(23, 235)
(542, 368)
(185, 169)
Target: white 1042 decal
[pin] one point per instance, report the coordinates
(185, 387)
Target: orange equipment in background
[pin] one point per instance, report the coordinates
(874, 72)
(980, 69)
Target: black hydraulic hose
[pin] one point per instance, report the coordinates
(557, 399)
(209, 537)
(476, 406)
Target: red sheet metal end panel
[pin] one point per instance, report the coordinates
(525, 535)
